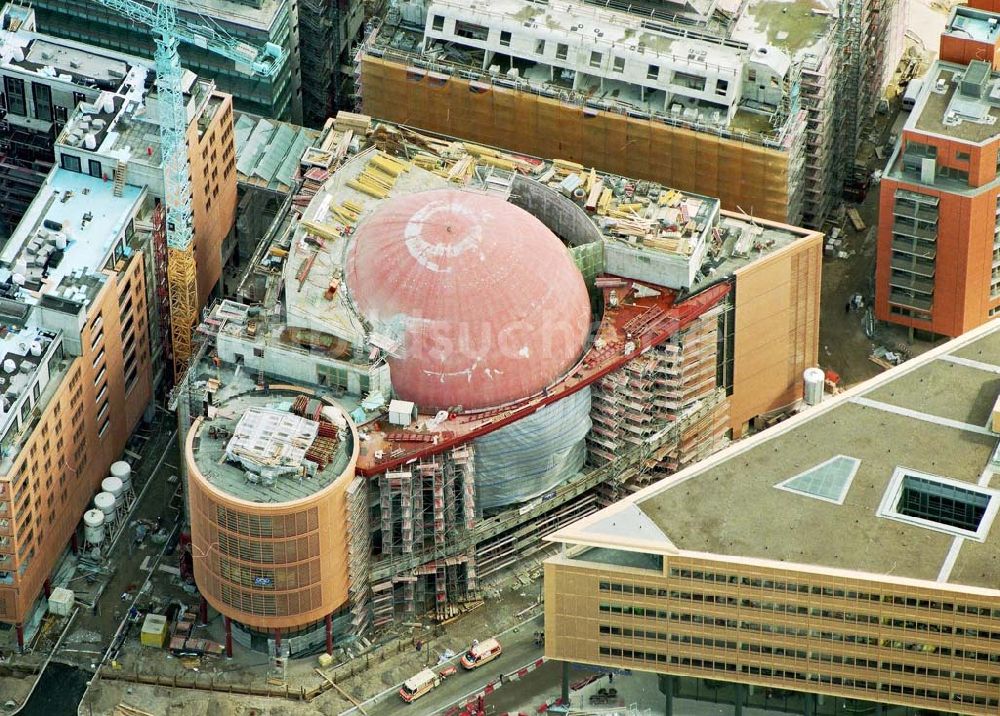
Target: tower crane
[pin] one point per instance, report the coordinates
(168, 32)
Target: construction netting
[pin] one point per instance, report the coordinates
(532, 456)
(744, 175)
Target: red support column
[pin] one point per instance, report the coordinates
(74, 544)
(203, 611)
(277, 642)
(229, 636)
(20, 637)
(47, 586)
(329, 634)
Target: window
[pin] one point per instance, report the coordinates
(721, 87)
(94, 168)
(79, 97)
(938, 503)
(695, 82)
(70, 162)
(505, 38)
(751, 75)
(471, 31)
(962, 156)
(595, 58)
(42, 94)
(438, 23)
(619, 64)
(540, 47)
(15, 96)
(653, 72)
(562, 52)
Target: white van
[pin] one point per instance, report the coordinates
(911, 94)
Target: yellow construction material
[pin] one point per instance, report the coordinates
(479, 151)
(388, 165)
(182, 284)
(353, 206)
(566, 166)
(498, 162)
(370, 190)
(605, 201)
(154, 631)
(321, 229)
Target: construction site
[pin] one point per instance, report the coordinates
(760, 103)
(655, 334)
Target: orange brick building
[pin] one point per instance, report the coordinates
(76, 370)
(938, 261)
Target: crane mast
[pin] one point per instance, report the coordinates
(168, 32)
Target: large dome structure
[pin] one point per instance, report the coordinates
(483, 300)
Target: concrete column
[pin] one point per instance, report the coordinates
(203, 611)
(277, 642)
(565, 683)
(20, 637)
(666, 683)
(74, 544)
(810, 709)
(229, 636)
(47, 587)
(741, 696)
(329, 634)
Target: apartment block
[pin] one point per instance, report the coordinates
(938, 259)
(42, 80)
(869, 584)
(745, 106)
(328, 32)
(254, 21)
(76, 368)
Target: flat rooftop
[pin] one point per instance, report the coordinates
(944, 110)
(966, 22)
(91, 217)
(71, 61)
(832, 480)
(799, 27)
(266, 424)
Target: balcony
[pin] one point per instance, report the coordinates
(900, 298)
(920, 268)
(914, 247)
(913, 283)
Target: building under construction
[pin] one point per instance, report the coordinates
(493, 403)
(760, 103)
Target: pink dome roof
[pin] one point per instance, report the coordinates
(487, 301)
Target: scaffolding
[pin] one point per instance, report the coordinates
(677, 379)
(424, 510)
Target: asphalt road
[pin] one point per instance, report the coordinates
(519, 649)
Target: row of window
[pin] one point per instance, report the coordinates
(754, 670)
(836, 592)
(480, 33)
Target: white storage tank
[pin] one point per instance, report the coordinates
(813, 380)
(123, 471)
(105, 502)
(114, 486)
(93, 526)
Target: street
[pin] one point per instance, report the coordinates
(519, 649)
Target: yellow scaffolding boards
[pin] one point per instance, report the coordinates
(182, 280)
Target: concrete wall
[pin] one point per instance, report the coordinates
(776, 328)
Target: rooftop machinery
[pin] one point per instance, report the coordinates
(168, 32)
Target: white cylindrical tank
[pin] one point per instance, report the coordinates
(90, 141)
(108, 104)
(113, 486)
(18, 279)
(9, 366)
(60, 240)
(813, 380)
(123, 471)
(36, 348)
(105, 502)
(93, 526)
